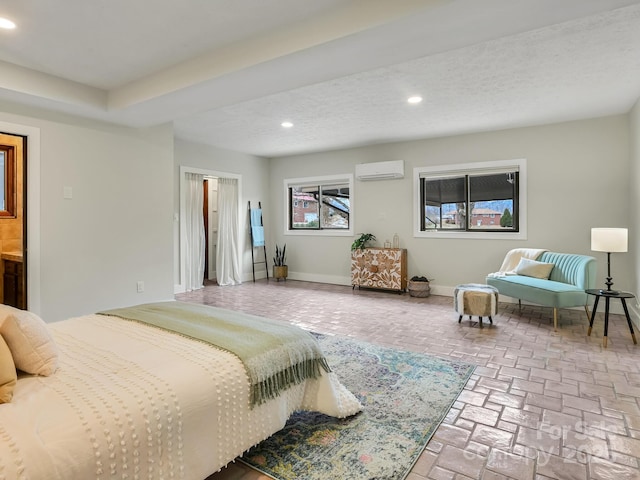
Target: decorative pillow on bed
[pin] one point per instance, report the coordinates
(533, 268)
(29, 340)
(8, 377)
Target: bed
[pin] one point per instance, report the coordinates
(125, 399)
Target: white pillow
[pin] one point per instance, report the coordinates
(8, 377)
(533, 268)
(32, 347)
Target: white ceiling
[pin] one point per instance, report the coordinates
(228, 72)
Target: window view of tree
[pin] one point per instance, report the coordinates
(507, 219)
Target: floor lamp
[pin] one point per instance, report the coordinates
(610, 240)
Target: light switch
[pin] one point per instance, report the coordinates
(68, 192)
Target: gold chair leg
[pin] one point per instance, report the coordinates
(555, 319)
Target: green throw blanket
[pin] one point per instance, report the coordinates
(275, 355)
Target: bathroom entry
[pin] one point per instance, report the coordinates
(13, 222)
(210, 211)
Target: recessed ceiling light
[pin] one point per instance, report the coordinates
(287, 124)
(6, 23)
(414, 99)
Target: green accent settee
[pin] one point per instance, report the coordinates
(572, 274)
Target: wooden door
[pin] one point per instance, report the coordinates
(205, 212)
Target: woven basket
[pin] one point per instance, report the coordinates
(418, 289)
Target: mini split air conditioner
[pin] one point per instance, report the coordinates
(380, 170)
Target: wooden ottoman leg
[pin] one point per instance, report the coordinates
(490, 320)
(460, 319)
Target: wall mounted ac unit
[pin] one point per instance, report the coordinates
(380, 170)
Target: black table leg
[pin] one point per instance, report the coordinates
(626, 313)
(606, 320)
(593, 315)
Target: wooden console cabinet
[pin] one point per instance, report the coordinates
(384, 268)
(13, 283)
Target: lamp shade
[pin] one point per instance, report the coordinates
(609, 239)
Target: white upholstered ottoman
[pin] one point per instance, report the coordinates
(475, 299)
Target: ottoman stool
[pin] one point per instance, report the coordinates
(475, 299)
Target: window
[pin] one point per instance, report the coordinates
(321, 205)
(485, 200)
(7, 181)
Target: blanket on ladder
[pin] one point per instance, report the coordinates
(275, 355)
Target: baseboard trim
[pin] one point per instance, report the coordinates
(311, 277)
(248, 277)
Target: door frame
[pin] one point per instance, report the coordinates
(180, 288)
(32, 211)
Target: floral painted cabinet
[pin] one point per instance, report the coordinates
(384, 268)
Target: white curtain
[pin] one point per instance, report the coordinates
(194, 227)
(228, 252)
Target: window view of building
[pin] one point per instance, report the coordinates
(480, 202)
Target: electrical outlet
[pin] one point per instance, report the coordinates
(140, 286)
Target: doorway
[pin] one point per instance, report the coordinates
(13, 221)
(213, 221)
(210, 212)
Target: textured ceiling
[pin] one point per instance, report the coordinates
(227, 73)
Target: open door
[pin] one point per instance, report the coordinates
(13, 221)
(210, 213)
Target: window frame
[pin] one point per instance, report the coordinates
(464, 169)
(10, 187)
(326, 180)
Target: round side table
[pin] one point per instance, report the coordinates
(622, 296)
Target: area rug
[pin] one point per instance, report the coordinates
(405, 397)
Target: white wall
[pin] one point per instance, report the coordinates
(117, 228)
(255, 188)
(577, 179)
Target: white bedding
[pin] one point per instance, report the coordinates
(133, 401)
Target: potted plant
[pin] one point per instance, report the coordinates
(361, 242)
(280, 268)
(419, 287)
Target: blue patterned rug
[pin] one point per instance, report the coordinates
(405, 397)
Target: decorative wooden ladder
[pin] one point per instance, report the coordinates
(256, 230)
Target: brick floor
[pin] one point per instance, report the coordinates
(540, 405)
